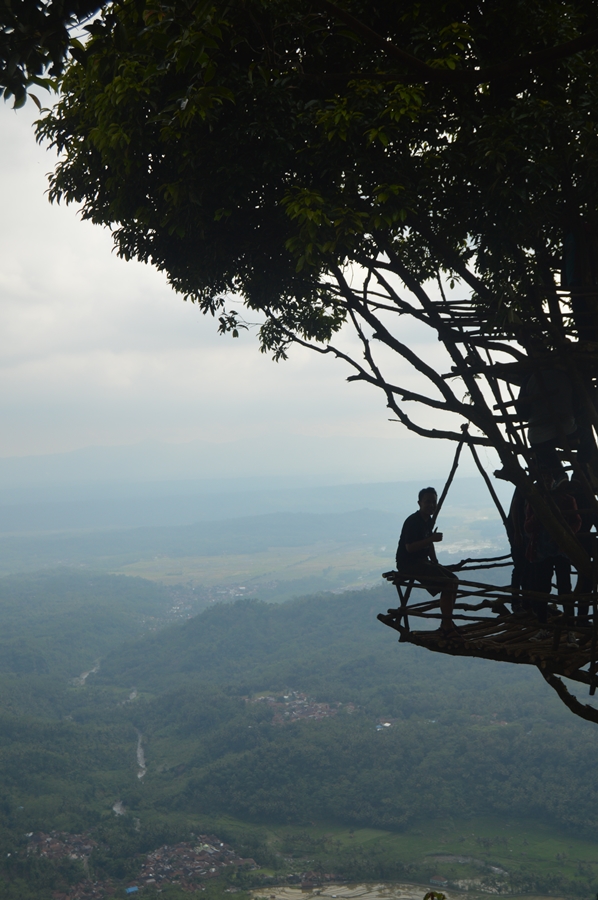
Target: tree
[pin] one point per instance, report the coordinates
(34, 41)
(353, 166)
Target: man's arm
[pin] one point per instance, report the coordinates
(425, 544)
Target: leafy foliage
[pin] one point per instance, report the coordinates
(34, 39)
(223, 143)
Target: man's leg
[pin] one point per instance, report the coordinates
(434, 578)
(584, 583)
(447, 605)
(542, 582)
(583, 586)
(562, 570)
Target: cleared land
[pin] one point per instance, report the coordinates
(372, 892)
(334, 565)
(459, 850)
(324, 565)
(354, 892)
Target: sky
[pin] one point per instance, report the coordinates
(97, 354)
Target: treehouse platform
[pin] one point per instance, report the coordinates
(490, 630)
(507, 623)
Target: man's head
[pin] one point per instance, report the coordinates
(427, 499)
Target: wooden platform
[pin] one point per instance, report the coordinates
(507, 638)
(498, 634)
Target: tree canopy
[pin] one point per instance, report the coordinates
(368, 165)
(34, 41)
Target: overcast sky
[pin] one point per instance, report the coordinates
(97, 352)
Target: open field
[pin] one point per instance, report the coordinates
(330, 566)
(323, 565)
(459, 850)
(353, 892)
(383, 891)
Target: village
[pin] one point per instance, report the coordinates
(295, 706)
(187, 864)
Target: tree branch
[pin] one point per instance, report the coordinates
(383, 334)
(482, 416)
(424, 72)
(403, 393)
(404, 419)
(580, 709)
(378, 380)
(363, 375)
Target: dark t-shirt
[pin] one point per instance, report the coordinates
(414, 529)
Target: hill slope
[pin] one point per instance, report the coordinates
(270, 713)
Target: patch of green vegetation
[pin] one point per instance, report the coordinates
(57, 623)
(246, 537)
(480, 762)
(531, 856)
(276, 573)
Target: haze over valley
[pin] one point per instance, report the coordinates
(188, 666)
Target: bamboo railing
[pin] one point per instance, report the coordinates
(489, 630)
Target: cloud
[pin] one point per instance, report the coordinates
(95, 351)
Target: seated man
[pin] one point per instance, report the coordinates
(416, 558)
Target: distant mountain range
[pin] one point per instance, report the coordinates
(54, 507)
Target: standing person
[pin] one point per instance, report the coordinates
(545, 557)
(416, 558)
(585, 536)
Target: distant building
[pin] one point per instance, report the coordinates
(438, 881)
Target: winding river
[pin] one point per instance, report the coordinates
(140, 756)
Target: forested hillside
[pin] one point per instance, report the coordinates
(304, 716)
(53, 622)
(443, 753)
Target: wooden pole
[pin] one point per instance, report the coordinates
(489, 484)
(594, 621)
(449, 481)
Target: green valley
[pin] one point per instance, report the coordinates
(299, 733)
